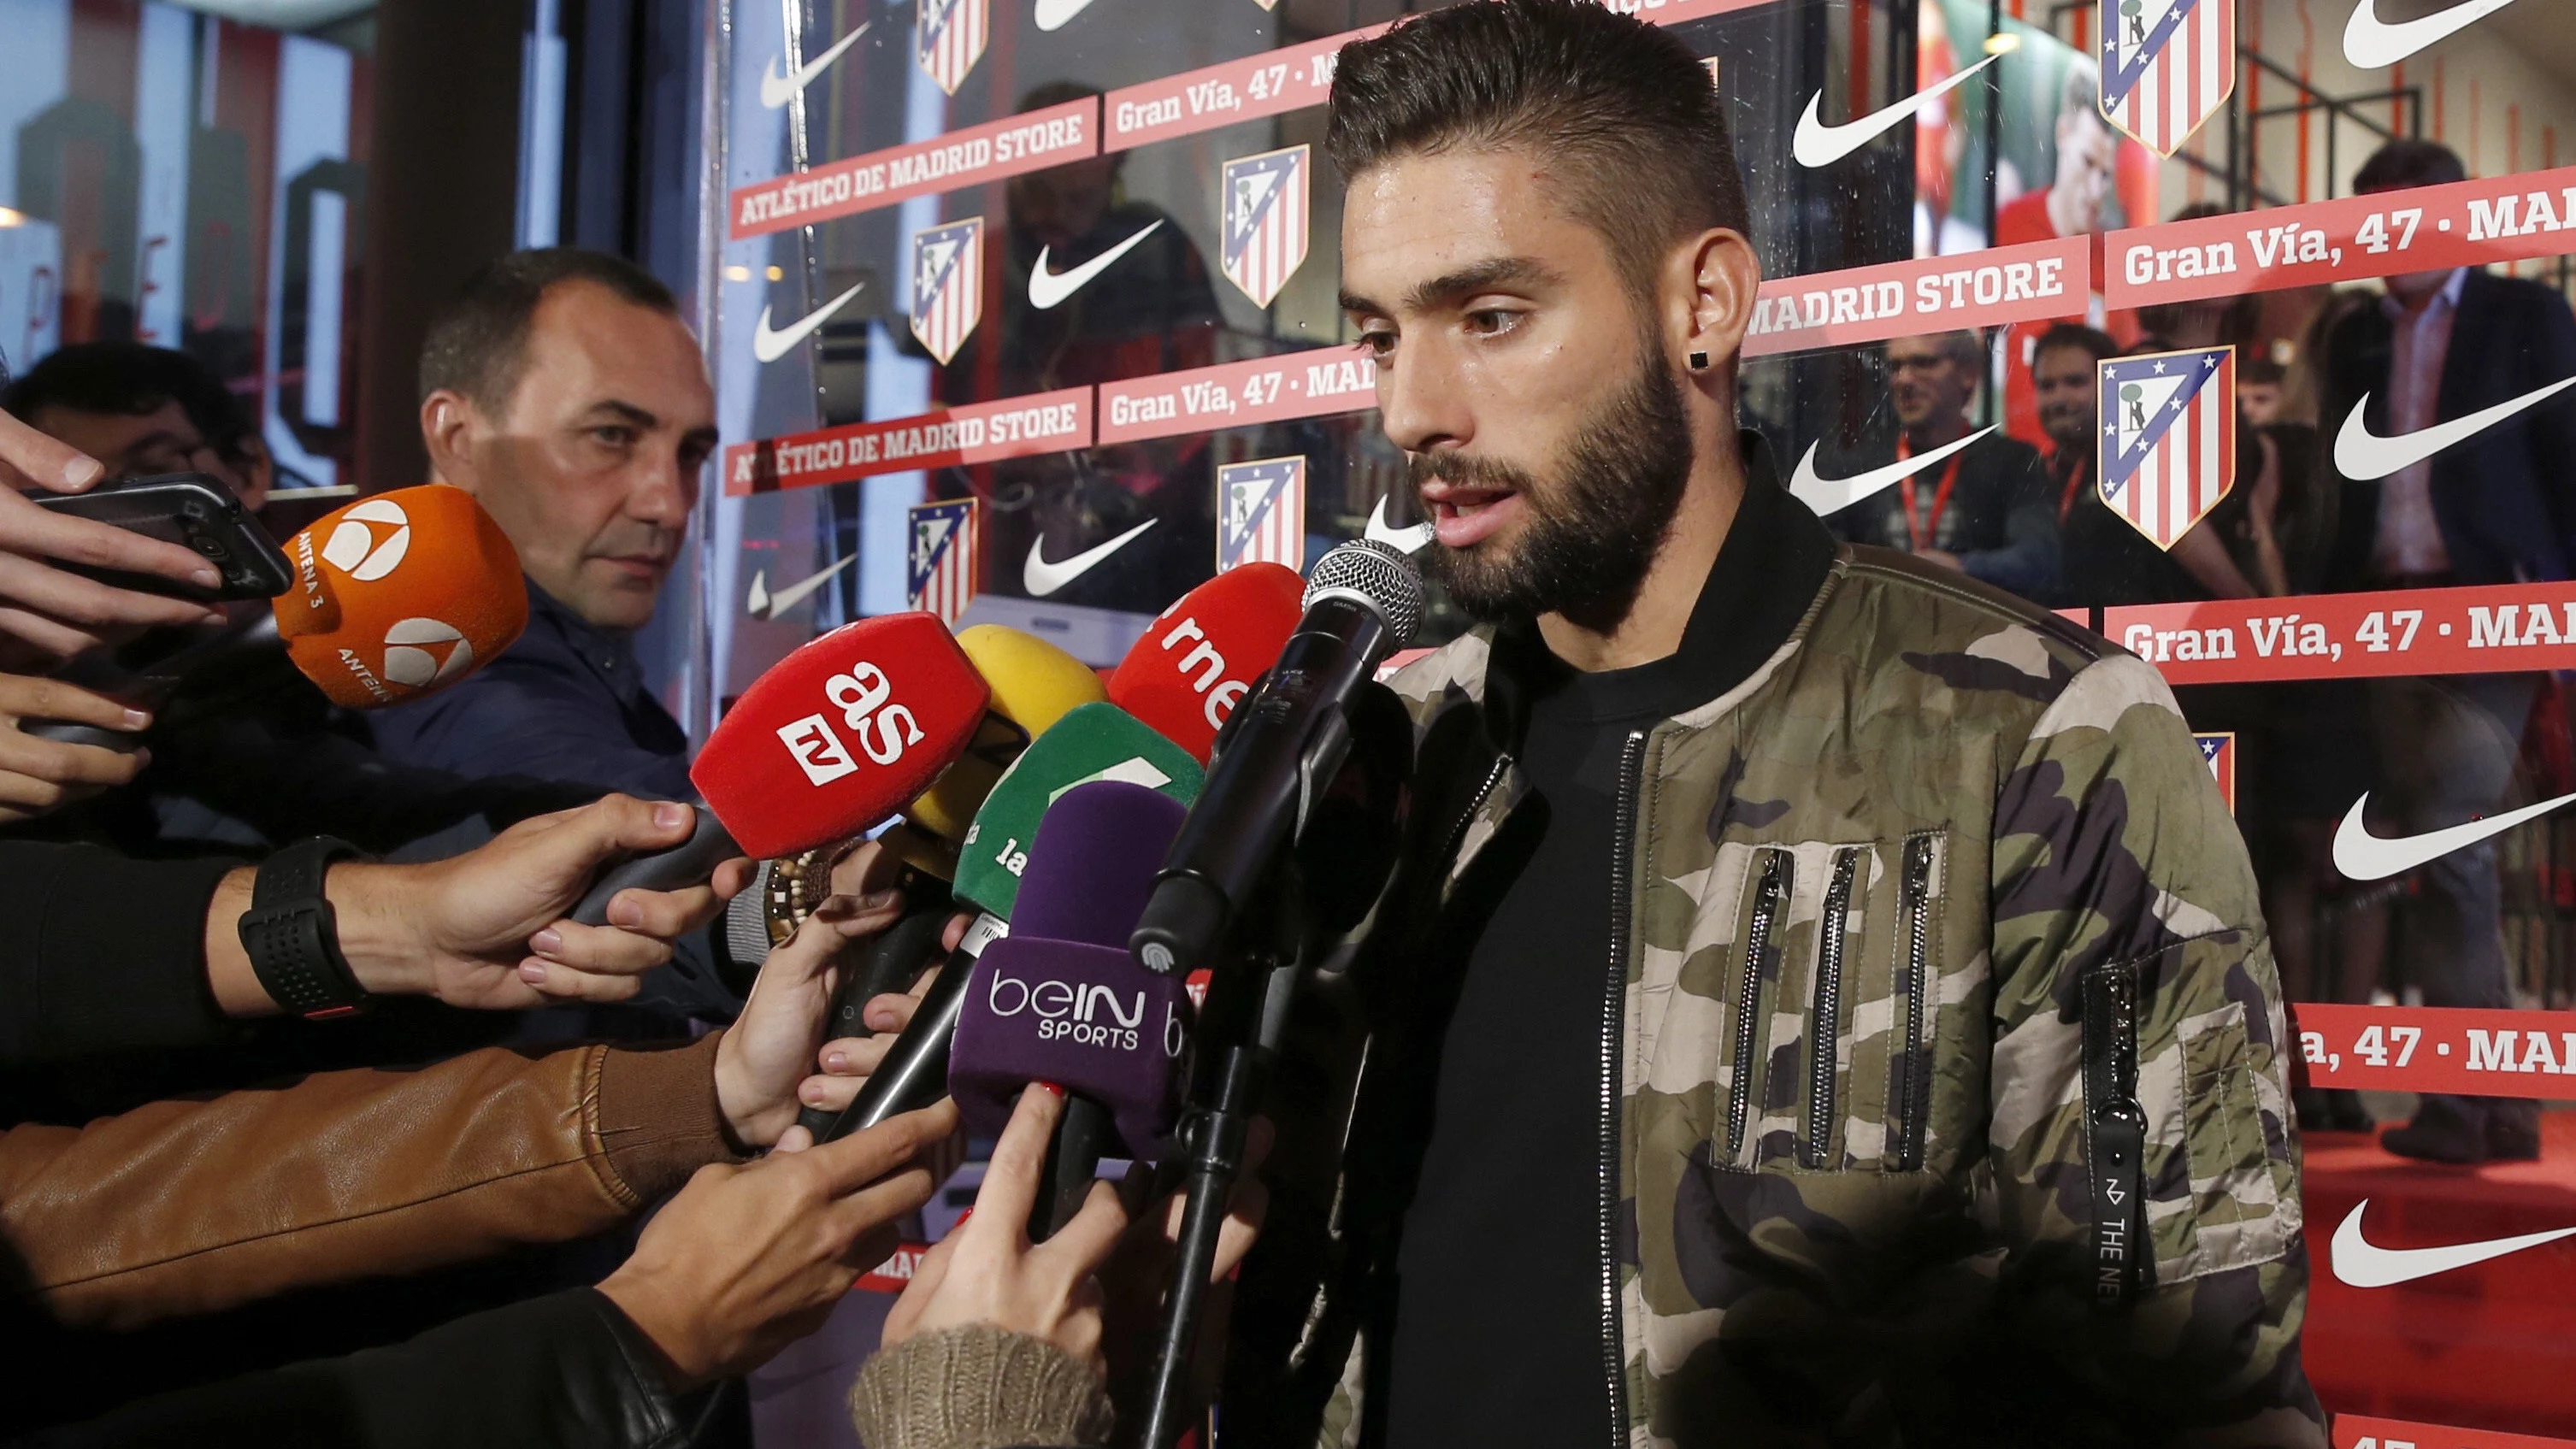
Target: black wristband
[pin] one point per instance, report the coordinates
(292, 936)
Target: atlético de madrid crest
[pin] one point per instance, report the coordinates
(2168, 438)
(2167, 66)
(947, 284)
(1265, 221)
(948, 38)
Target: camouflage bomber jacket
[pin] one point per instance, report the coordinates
(1921, 921)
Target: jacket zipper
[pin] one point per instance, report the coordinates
(1757, 939)
(1614, 1361)
(1913, 1067)
(1824, 1029)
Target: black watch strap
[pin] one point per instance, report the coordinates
(292, 936)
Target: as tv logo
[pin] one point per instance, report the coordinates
(884, 731)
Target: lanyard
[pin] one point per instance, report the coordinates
(1919, 534)
(2078, 471)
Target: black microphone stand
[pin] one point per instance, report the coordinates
(1234, 1044)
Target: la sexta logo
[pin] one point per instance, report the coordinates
(1085, 1013)
(884, 731)
(425, 653)
(370, 540)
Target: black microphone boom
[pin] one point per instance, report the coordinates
(1285, 745)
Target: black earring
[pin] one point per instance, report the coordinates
(1699, 362)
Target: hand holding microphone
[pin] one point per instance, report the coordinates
(1033, 684)
(1060, 1001)
(1094, 742)
(48, 613)
(41, 773)
(396, 597)
(823, 747)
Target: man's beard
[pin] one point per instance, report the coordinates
(1592, 532)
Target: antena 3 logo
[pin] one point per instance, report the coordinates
(425, 653)
(884, 731)
(361, 551)
(1086, 1015)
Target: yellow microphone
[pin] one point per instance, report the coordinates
(1034, 684)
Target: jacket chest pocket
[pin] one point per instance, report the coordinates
(1831, 1001)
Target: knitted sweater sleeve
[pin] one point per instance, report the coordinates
(979, 1387)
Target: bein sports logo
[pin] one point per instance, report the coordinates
(1086, 1015)
(883, 730)
(425, 653)
(358, 550)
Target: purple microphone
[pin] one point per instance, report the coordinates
(1061, 999)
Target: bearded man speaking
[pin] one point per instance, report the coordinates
(1822, 1000)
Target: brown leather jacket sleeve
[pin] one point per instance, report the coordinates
(187, 1207)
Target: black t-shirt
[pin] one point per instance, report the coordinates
(1497, 1309)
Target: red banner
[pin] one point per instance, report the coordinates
(1220, 95)
(1238, 394)
(1046, 422)
(2029, 283)
(892, 1275)
(2505, 218)
(948, 162)
(2351, 1431)
(2437, 1049)
(2503, 628)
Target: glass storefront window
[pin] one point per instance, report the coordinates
(2234, 332)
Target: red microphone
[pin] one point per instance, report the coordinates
(1203, 653)
(835, 739)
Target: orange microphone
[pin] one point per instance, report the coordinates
(395, 597)
(400, 595)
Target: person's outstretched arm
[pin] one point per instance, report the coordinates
(197, 1205)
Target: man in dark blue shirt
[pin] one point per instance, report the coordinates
(564, 392)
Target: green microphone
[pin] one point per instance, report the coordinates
(1091, 742)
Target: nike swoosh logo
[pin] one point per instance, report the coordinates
(777, 90)
(1042, 578)
(1048, 288)
(2361, 855)
(2362, 455)
(1055, 14)
(2358, 1263)
(765, 605)
(1402, 540)
(1818, 144)
(2371, 43)
(770, 346)
(1832, 495)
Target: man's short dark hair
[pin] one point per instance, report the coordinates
(477, 346)
(2096, 344)
(2260, 371)
(130, 379)
(2406, 163)
(1626, 116)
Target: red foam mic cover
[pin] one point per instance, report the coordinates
(1202, 654)
(400, 595)
(839, 735)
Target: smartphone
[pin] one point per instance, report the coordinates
(197, 513)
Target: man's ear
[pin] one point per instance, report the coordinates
(1724, 279)
(450, 425)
